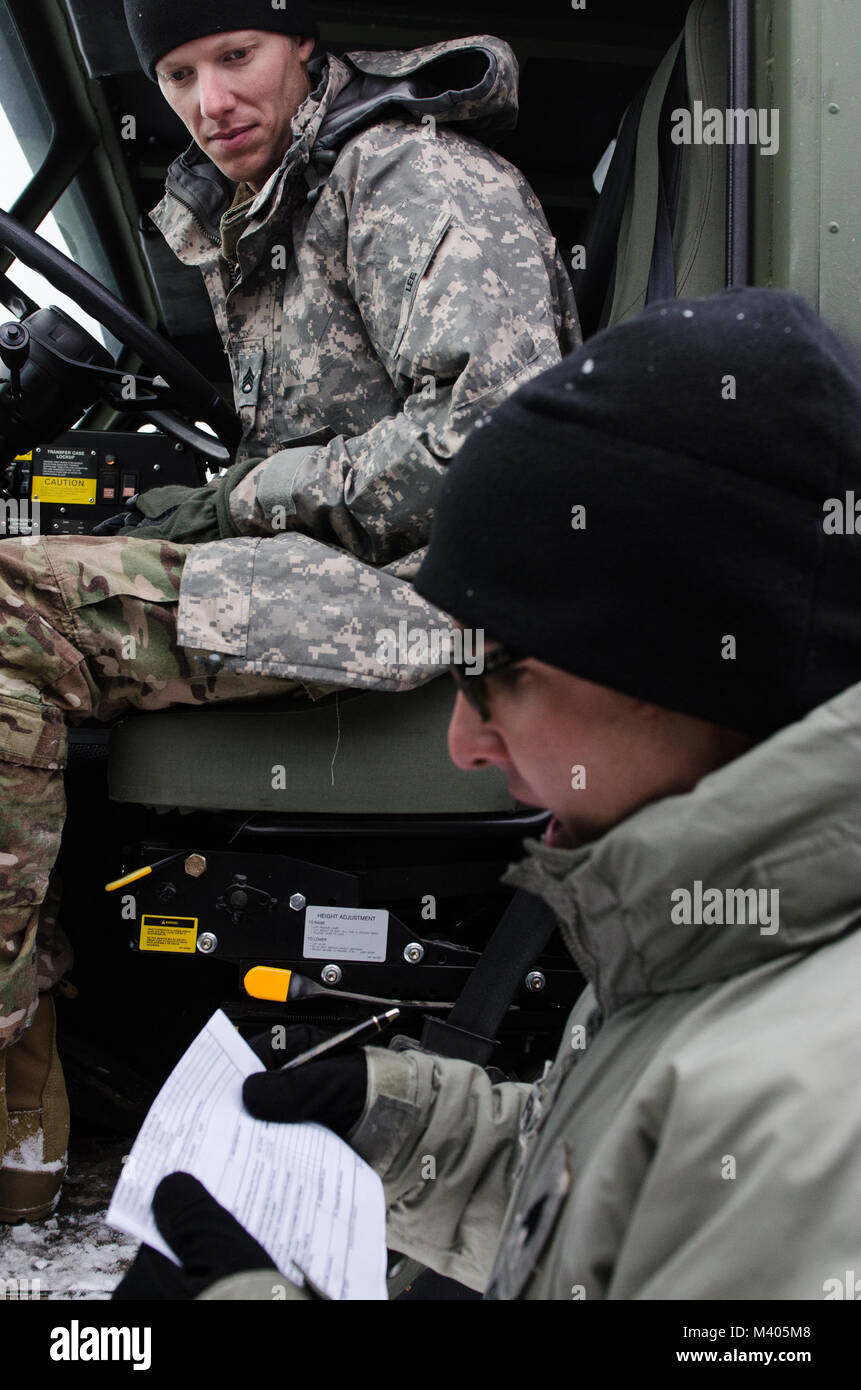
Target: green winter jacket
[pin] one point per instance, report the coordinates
(699, 1133)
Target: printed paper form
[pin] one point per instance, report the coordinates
(311, 1202)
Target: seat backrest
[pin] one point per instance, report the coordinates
(696, 175)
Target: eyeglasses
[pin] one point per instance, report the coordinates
(471, 683)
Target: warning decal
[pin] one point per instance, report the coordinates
(63, 475)
(53, 489)
(168, 933)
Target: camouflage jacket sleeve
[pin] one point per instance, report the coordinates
(462, 295)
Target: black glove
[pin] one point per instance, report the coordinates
(209, 1241)
(331, 1092)
(129, 520)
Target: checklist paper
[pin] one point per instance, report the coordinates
(311, 1202)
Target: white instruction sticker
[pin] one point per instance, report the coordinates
(345, 933)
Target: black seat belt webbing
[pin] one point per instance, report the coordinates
(662, 272)
(593, 286)
(518, 940)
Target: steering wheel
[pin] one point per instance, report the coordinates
(200, 401)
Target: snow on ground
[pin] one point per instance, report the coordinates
(73, 1254)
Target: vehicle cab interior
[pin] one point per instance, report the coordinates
(374, 816)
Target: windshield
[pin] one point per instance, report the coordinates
(26, 131)
(26, 128)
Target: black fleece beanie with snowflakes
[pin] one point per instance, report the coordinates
(669, 512)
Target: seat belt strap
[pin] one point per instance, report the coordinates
(662, 272)
(594, 285)
(470, 1030)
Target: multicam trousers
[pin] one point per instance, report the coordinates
(87, 631)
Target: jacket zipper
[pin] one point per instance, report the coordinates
(233, 268)
(415, 277)
(206, 232)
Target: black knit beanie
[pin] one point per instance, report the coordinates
(159, 26)
(665, 512)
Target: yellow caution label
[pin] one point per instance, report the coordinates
(51, 489)
(168, 933)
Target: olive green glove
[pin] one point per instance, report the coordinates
(184, 515)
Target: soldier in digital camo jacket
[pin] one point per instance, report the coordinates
(381, 280)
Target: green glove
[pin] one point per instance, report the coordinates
(184, 515)
(189, 515)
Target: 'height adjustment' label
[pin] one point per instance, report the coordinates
(345, 933)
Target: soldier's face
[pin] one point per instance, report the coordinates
(589, 754)
(237, 94)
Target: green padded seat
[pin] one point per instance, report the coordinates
(365, 753)
(699, 239)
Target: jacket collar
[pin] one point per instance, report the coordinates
(785, 817)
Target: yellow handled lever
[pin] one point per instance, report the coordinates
(142, 873)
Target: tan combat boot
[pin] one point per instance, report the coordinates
(34, 1121)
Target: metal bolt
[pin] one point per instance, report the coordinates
(195, 865)
(156, 468)
(535, 981)
(206, 942)
(414, 952)
(297, 902)
(331, 974)
(834, 226)
(833, 108)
